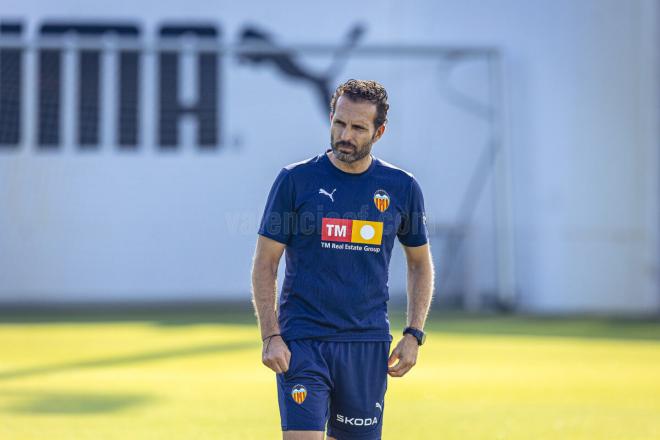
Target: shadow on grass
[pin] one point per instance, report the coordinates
(165, 314)
(585, 327)
(126, 360)
(73, 403)
(240, 313)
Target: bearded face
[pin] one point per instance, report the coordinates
(349, 152)
(352, 133)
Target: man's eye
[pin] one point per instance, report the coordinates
(359, 128)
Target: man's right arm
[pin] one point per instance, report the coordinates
(275, 353)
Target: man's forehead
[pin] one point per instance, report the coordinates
(356, 110)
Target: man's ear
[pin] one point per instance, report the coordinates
(380, 132)
(331, 115)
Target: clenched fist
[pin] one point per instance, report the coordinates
(406, 353)
(275, 354)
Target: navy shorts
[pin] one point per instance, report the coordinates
(342, 384)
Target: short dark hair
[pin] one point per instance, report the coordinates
(364, 90)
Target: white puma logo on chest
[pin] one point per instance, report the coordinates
(329, 194)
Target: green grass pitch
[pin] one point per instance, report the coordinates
(197, 374)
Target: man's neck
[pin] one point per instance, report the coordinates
(359, 166)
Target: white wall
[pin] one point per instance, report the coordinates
(582, 99)
(583, 96)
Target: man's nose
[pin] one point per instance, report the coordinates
(346, 134)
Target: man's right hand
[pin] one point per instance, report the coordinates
(275, 354)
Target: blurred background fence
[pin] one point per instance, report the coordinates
(136, 151)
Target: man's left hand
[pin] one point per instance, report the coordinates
(406, 352)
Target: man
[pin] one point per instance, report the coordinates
(336, 215)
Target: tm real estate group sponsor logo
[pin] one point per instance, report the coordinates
(348, 234)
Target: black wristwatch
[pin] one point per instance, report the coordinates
(417, 333)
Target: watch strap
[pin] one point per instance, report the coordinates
(417, 333)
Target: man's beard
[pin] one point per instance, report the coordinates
(355, 154)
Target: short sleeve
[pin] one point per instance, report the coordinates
(277, 219)
(412, 231)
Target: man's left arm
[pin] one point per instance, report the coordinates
(420, 292)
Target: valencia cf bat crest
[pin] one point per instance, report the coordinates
(299, 393)
(382, 200)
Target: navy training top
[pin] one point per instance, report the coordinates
(339, 230)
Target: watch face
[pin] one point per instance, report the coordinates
(423, 338)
